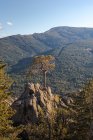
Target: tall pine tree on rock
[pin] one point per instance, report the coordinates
(44, 64)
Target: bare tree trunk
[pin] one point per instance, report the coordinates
(49, 129)
(45, 79)
(91, 115)
(49, 125)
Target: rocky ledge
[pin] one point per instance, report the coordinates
(33, 101)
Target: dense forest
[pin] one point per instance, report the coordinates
(69, 121)
(72, 47)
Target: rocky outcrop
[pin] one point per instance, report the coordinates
(33, 101)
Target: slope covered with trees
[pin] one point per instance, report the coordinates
(72, 48)
(65, 117)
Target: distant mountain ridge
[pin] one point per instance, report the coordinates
(72, 47)
(24, 46)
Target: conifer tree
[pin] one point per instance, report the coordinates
(43, 63)
(7, 131)
(82, 126)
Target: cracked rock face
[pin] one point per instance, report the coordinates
(32, 101)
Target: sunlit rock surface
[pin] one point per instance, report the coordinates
(34, 100)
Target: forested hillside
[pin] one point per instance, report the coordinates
(72, 48)
(41, 114)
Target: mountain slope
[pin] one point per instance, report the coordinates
(14, 48)
(22, 46)
(72, 48)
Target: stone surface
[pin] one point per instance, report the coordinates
(33, 101)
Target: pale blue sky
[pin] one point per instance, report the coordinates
(29, 16)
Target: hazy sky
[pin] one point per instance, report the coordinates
(29, 16)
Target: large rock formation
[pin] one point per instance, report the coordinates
(33, 101)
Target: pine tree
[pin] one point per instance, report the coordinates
(81, 128)
(43, 64)
(54, 127)
(7, 131)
